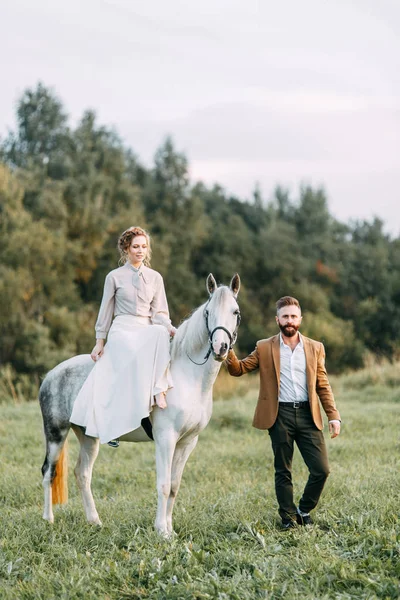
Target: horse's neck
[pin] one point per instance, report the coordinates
(201, 376)
(191, 353)
(210, 375)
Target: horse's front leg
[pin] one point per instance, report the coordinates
(182, 452)
(165, 447)
(83, 472)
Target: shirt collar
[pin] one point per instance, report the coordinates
(141, 271)
(282, 343)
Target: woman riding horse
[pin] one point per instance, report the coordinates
(131, 374)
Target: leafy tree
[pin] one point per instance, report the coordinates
(42, 135)
(34, 274)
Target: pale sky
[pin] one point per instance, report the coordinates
(284, 92)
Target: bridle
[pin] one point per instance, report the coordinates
(232, 336)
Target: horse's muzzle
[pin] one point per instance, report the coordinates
(222, 354)
(219, 358)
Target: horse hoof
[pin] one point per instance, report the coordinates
(48, 516)
(166, 535)
(171, 535)
(48, 519)
(95, 522)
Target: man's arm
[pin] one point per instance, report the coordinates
(238, 367)
(325, 394)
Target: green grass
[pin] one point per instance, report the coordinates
(228, 544)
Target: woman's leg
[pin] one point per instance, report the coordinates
(161, 400)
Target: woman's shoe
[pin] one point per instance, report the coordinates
(114, 443)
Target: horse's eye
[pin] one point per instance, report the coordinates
(237, 312)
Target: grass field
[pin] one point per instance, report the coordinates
(228, 544)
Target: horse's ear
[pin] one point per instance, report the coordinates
(235, 284)
(211, 284)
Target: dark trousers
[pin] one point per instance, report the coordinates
(296, 425)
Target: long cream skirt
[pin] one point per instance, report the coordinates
(119, 391)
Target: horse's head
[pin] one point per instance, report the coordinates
(222, 316)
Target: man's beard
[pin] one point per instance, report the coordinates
(289, 331)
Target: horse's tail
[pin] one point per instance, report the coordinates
(59, 484)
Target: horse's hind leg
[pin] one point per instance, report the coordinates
(89, 449)
(182, 452)
(54, 447)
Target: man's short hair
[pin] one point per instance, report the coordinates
(287, 301)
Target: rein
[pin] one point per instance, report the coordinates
(232, 336)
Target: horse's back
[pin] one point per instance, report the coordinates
(61, 386)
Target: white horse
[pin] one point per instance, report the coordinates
(210, 330)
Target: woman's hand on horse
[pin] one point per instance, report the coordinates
(172, 331)
(97, 350)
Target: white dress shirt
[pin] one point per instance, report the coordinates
(293, 378)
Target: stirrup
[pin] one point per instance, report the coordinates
(114, 443)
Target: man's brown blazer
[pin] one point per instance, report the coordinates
(266, 357)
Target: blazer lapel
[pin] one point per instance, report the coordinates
(308, 351)
(276, 356)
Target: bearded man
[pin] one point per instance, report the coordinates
(292, 378)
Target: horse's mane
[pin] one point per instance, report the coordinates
(192, 334)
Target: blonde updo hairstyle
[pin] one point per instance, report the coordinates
(125, 240)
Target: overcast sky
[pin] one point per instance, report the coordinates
(252, 91)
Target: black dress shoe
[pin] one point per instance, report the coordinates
(304, 520)
(288, 524)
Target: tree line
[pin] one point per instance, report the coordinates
(67, 192)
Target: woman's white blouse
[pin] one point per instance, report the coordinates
(129, 291)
